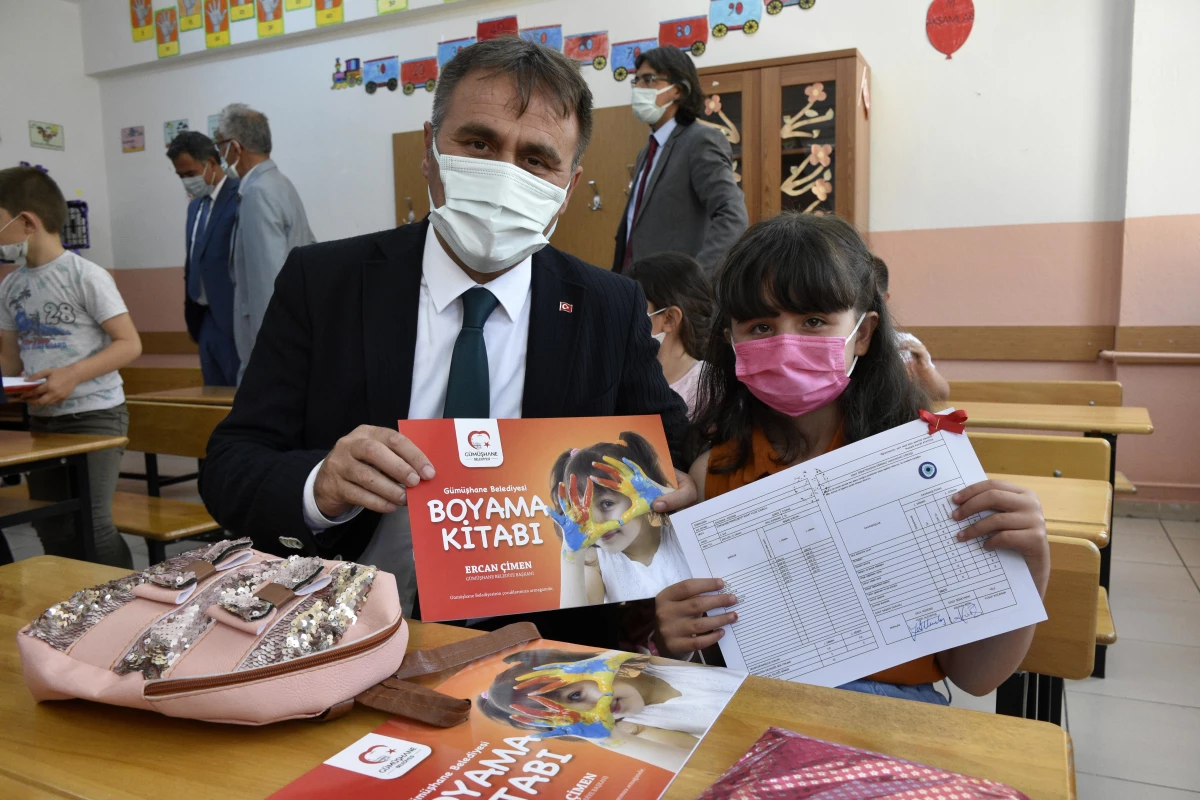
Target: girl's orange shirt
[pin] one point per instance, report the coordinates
(761, 464)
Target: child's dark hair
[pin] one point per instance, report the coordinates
(801, 263)
(30, 189)
(677, 279)
(497, 702)
(881, 273)
(633, 446)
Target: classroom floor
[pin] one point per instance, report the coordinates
(1136, 733)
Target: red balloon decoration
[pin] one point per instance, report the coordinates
(948, 24)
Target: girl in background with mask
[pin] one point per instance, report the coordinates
(803, 359)
(614, 547)
(679, 302)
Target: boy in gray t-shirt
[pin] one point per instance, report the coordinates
(63, 321)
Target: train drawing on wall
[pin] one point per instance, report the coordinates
(419, 72)
(734, 15)
(381, 72)
(588, 48)
(625, 56)
(548, 36)
(494, 28)
(688, 33)
(348, 77)
(775, 6)
(448, 50)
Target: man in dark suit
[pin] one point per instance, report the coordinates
(684, 197)
(467, 314)
(211, 213)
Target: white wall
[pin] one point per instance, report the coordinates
(42, 78)
(1027, 123)
(1164, 119)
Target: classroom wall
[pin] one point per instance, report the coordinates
(35, 86)
(1030, 180)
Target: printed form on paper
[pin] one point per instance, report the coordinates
(848, 564)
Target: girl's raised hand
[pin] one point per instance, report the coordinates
(1015, 524)
(681, 624)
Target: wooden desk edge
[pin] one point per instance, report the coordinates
(105, 443)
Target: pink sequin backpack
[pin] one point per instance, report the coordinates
(223, 633)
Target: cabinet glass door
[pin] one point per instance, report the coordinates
(731, 105)
(800, 152)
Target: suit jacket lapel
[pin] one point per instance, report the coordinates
(663, 157)
(558, 305)
(227, 195)
(391, 298)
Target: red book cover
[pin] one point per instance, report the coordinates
(536, 514)
(548, 719)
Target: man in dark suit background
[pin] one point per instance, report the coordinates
(467, 314)
(684, 198)
(211, 213)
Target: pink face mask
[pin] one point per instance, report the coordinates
(795, 374)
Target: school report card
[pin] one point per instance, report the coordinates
(849, 564)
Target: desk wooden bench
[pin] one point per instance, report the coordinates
(1072, 507)
(81, 749)
(176, 429)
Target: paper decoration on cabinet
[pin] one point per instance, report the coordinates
(588, 48)
(166, 27)
(242, 9)
(47, 135)
(296, 5)
(133, 140)
(172, 128)
(388, 6)
(380, 72)
(687, 33)
(625, 55)
(270, 18)
(329, 12)
(948, 23)
(726, 16)
(141, 16)
(775, 6)
(806, 116)
(448, 50)
(216, 23)
(548, 36)
(819, 181)
(419, 72)
(191, 14)
(350, 76)
(213, 121)
(712, 105)
(495, 28)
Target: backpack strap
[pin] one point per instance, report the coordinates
(396, 695)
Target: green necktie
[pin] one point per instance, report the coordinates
(468, 393)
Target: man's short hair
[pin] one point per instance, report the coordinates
(247, 127)
(30, 189)
(533, 68)
(196, 145)
(674, 64)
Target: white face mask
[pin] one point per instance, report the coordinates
(646, 107)
(14, 252)
(658, 337)
(495, 213)
(197, 185)
(230, 169)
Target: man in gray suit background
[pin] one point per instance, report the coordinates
(271, 220)
(684, 198)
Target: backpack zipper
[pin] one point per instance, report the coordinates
(167, 687)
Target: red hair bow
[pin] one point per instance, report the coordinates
(954, 422)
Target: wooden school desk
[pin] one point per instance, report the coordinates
(1073, 507)
(21, 451)
(192, 395)
(80, 749)
(1103, 421)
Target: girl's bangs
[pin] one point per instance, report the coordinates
(785, 267)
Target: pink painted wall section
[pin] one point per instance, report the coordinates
(1167, 463)
(1161, 275)
(1054, 274)
(154, 297)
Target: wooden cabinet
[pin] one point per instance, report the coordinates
(799, 132)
